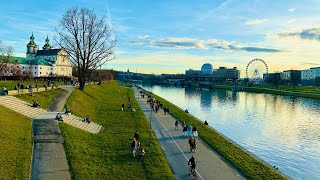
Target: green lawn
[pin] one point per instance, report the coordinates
(16, 145)
(247, 164)
(44, 98)
(107, 155)
(10, 85)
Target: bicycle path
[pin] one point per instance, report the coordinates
(176, 148)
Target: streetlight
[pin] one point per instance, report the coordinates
(150, 125)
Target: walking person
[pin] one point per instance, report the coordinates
(195, 132)
(122, 107)
(183, 124)
(129, 105)
(136, 135)
(185, 131)
(189, 130)
(133, 147)
(176, 125)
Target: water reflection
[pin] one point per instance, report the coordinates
(282, 130)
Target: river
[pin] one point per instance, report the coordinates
(283, 131)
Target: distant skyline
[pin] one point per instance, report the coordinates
(171, 36)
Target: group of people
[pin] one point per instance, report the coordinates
(187, 130)
(136, 146)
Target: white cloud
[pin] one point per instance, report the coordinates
(144, 36)
(292, 9)
(256, 21)
(189, 43)
(290, 21)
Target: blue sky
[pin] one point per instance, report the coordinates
(170, 36)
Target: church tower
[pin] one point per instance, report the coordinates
(47, 45)
(32, 47)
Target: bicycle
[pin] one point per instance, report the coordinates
(193, 171)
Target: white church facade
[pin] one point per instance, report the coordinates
(48, 62)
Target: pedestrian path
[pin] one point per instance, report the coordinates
(25, 109)
(210, 164)
(20, 106)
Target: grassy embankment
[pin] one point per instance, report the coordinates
(247, 164)
(107, 155)
(16, 145)
(299, 91)
(44, 98)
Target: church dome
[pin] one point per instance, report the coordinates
(206, 68)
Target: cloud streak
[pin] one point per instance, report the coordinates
(256, 21)
(309, 34)
(189, 43)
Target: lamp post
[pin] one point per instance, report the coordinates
(150, 126)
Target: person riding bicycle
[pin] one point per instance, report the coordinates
(192, 143)
(193, 162)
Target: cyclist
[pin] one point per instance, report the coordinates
(193, 162)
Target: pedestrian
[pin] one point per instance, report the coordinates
(189, 130)
(206, 123)
(122, 107)
(129, 105)
(176, 124)
(87, 119)
(136, 135)
(183, 124)
(133, 147)
(141, 154)
(5, 91)
(129, 98)
(185, 131)
(195, 132)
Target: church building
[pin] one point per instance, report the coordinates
(48, 62)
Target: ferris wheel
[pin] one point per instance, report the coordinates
(255, 70)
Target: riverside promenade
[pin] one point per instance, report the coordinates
(210, 164)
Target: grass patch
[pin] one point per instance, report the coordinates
(107, 155)
(247, 164)
(44, 98)
(16, 145)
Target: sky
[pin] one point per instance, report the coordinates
(171, 36)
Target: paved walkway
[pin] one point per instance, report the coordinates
(49, 158)
(210, 165)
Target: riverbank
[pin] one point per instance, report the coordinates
(107, 155)
(251, 167)
(301, 91)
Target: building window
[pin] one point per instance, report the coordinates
(40, 72)
(22, 67)
(51, 68)
(29, 67)
(35, 67)
(35, 73)
(17, 66)
(40, 68)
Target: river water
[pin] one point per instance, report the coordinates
(283, 131)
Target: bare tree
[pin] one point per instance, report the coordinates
(5, 59)
(87, 39)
